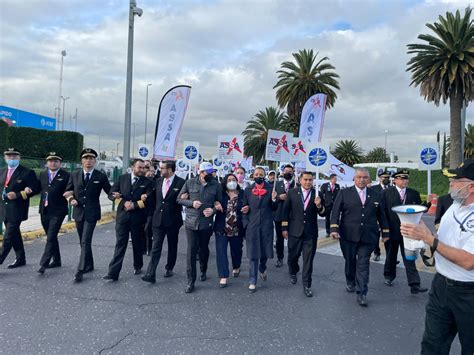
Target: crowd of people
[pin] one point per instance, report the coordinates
(263, 213)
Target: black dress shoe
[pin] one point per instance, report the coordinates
(417, 289)
(189, 288)
(149, 278)
(168, 273)
(41, 270)
(137, 271)
(377, 257)
(108, 277)
(388, 282)
(53, 265)
(16, 264)
(203, 276)
(78, 277)
(362, 300)
(307, 292)
(293, 279)
(279, 263)
(350, 288)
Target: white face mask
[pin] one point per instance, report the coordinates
(232, 185)
(458, 196)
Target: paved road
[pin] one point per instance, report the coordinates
(51, 314)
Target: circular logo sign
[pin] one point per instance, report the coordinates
(318, 157)
(181, 164)
(217, 162)
(428, 156)
(190, 152)
(226, 167)
(143, 152)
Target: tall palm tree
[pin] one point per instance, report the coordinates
(348, 151)
(300, 80)
(443, 69)
(377, 155)
(469, 142)
(255, 134)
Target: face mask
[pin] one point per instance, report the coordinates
(208, 178)
(13, 163)
(240, 177)
(232, 185)
(288, 176)
(457, 196)
(259, 180)
(386, 181)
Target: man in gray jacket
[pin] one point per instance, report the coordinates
(201, 196)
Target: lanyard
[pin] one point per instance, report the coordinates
(50, 176)
(461, 224)
(304, 199)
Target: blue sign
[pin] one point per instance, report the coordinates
(428, 156)
(318, 157)
(190, 152)
(143, 151)
(19, 118)
(217, 162)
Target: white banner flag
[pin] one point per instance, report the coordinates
(344, 172)
(191, 152)
(230, 147)
(278, 146)
(312, 118)
(171, 113)
(298, 150)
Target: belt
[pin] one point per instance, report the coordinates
(450, 282)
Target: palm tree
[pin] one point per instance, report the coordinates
(469, 142)
(255, 134)
(377, 155)
(443, 68)
(300, 80)
(348, 151)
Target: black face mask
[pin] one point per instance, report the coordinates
(208, 178)
(386, 181)
(288, 176)
(259, 180)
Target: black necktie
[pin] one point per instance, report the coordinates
(135, 179)
(88, 177)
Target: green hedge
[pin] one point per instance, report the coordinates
(419, 181)
(38, 143)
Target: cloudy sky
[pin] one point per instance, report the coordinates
(229, 52)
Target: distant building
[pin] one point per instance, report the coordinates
(19, 118)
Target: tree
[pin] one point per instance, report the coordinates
(348, 151)
(377, 155)
(469, 142)
(443, 69)
(255, 134)
(300, 80)
(444, 153)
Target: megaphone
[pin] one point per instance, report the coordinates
(410, 214)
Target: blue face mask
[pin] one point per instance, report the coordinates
(13, 163)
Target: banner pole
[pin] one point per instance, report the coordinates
(317, 179)
(429, 181)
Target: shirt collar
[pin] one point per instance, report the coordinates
(399, 189)
(171, 178)
(359, 190)
(85, 172)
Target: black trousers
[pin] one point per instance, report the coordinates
(357, 263)
(306, 245)
(122, 232)
(51, 225)
(280, 241)
(328, 219)
(390, 268)
(85, 230)
(159, 235)
(149, 234)
(450, 311)
(197, 239)
(12, 239)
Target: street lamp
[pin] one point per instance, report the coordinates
(146, 110)
(133, 136)
(134, 10)
(386, 133)
(63, 54)
(64, 104)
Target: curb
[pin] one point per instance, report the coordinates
(65, 228)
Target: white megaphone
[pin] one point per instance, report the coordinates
(410, 214)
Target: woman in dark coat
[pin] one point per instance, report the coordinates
(229, 229)
(259, 202)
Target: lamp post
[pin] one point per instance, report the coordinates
(63, 54)
(146, 110)
(134, 10)
(64, 104)
(385, 148)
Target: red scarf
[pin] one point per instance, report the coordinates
(258, 190)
